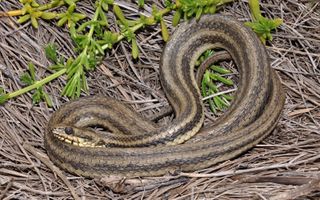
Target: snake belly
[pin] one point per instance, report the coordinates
(139, 147)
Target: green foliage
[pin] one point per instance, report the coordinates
(141, 3)
(92, 37)
(90, 46)
(31, 10)
(51, 52)
(158, 17)
(118, 12)
(261, 25)
(191, 8)
(209, 87)
(3, 96)
(76, 76)
(52, 55)
(164, 30)
(29, 78)
(135, 49)
(147, 20)
(176, 18)
(108, 39)
(70, 17)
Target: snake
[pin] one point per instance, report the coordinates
(134, 146)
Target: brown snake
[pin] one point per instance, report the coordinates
(138, 147)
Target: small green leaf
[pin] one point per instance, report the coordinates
(51, 52)
(227, 97)
(70, 2)
(221, 79)
(56, 67)
(97, 46)
(218, 103)
(32, 71)
(220, 69)
(36, 97)
(198, 13)
(277, 22)
(36, 14)
(255, 9)
(212, 87)
(23, 19)
(204, 56)
(78, 16)
(135, 49)
(48, 15)
(4, 98)
(103, 19)
(129, 34)
(206, 77)
(212, 9)
(62, 21)
(141, 3)
(54, 3)
(117, 10)
(191, 12)
(176, 18)
(26, 79)
(164, 30)
(24, 10)
(155, 12)
(203, 88)
(34, 4)
(170, 4)
(105, 7)
(80, 28)
(84, 82)
(150, 21)
(212, 106)
(109, 38)
(47, 99)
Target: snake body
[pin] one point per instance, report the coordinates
(138, 147)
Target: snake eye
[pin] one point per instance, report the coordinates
(68, 130)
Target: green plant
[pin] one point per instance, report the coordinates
(93, 37)
(261, 25)
(209, 86)
(29, 78)
(189, 8)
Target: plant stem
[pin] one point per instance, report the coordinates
(11, 13)
(255, 9)
(133, 29)
(136, 27)
(164, 11)
(57, 74)
(37, 84)
(50, 5)
(95, 18)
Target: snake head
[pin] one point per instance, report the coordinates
(76, 136)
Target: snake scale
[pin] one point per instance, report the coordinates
(139, 147)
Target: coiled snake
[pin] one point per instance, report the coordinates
(138, 147)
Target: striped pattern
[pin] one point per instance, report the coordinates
(138, 147)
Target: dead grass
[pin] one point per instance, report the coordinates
(284, 166)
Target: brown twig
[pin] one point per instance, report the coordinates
(57, 171)
(313, 185)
